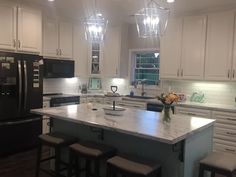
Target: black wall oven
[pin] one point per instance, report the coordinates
(58, 68)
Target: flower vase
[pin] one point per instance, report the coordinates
(166, 113)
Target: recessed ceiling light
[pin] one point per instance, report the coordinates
(170, 1)
(50, 0)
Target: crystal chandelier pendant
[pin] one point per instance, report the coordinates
(152, 20)
(95, 28)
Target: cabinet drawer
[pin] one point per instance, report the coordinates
(224, 148)
(225, 132)
(132, 105)
(193, 112)
(224, 117)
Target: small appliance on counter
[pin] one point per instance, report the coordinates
(84, 89)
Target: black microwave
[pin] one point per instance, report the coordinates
(58, 68)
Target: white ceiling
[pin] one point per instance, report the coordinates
(121, 10)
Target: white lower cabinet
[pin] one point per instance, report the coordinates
(224, 130)
(46, 119)
(193, 112)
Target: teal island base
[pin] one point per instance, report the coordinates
(177, 160)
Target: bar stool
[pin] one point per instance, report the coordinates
(91, 152)
(57, 141)
(220, 163)
(132, 167)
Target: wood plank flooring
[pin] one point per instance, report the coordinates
(23, 164)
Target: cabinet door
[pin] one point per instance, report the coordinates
(193, 47)
(29, 30)
(66, 40)
(50, 38)
(8, 23)
(233, 76)
(112, 49)
(219, 46)
(80, 52)
(170, 52)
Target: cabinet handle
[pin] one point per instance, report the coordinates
(229, 133)
(14, 43)
(19, 44)
(178, 73)
(233, 73)
(228, 73)
(182, 72)
(230, 150)
(60, 52)
(231, 119)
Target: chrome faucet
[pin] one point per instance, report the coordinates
(143, 82)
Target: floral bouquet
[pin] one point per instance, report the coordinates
(167, 100)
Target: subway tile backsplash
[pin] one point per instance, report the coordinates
(215, 92)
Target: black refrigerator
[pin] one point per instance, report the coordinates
(21, 89)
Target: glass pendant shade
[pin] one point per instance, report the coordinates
(95, 28)
(152, 20)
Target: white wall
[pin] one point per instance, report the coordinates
(141, 43)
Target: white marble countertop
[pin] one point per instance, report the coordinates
(135, 122)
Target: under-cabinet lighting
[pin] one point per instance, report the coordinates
(51, 0)
(170, 1)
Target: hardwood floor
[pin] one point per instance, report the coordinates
(21, 164)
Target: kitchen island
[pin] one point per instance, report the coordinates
(177, 146)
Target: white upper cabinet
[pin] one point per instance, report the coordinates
(80, 51)
(112, 51)
(29, 30)
(233, 72)
(193, 47)
(50, 38)
(22, 28)
(57, 39)
(170, 50)
(8, 22)
(66, 40)
(219, 46)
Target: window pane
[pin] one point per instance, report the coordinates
(147, 67)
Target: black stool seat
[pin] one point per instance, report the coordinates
(57, 141)
(132, 166)
(91, 152)
(218, 162)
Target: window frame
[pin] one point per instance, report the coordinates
(132, 54)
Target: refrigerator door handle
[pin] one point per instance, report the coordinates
(20, 85)
(20, 122)
(26, 85)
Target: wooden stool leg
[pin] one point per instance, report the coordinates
(87, 168)
(97, 168)
(212, 174)
(201, 171)
(77, 167)
(57, 161)
(39, 152)
(70, 165)
(159, 173)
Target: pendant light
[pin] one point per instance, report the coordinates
(95, 27)
(152, 20)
